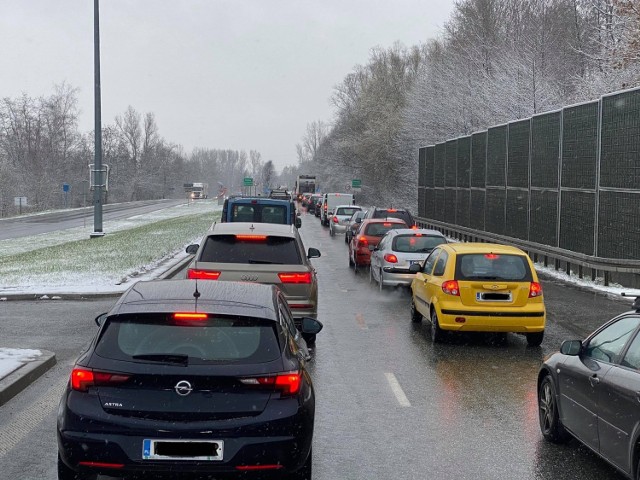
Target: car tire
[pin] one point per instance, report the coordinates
(66, 473)
(350, 259)
(380, 283)
(416, 316)
(370, 275)
(304, 473)
(550, 424)
(534, 339)
(331, 232)
(436, 331)
(346, 238)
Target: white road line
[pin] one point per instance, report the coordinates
(397, 390)
(28, 419)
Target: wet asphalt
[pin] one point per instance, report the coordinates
(390, 404)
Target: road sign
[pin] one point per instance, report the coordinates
(65, 187)
(20, 201)
(248, 182)
(347, 187)
(356, 185)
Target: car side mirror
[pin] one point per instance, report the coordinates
(192, 249)
(313, 253)
(358, 220)
(415, 268)
(311, 325)
(571, 347)
(100, 319)
(298, 222)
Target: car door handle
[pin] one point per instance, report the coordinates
(594, 380)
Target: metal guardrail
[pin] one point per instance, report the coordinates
(558, 255)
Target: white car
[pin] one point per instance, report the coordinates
(398, 250)
(339, 221)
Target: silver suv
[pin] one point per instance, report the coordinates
(261, 253)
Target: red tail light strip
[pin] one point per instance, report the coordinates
(83, 378)
(194, 274)
(294, 277)
(101, 464)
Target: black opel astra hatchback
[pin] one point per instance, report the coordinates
(202, 379)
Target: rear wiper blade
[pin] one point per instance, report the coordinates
(265, 262)
(164, 357)
(426, 250)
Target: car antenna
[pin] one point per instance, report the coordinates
(196, 293)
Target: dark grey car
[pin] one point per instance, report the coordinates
(591, 390)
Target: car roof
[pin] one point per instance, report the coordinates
(349, 206)
(477, 247)
(249, 228)
(412, 231)
(227, 298)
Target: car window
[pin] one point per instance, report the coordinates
(379, 229)
(632, 357)
(219, 339)
(251, 249)
(394, 213)
(287, 318)
(608, 344)
(417, 243)
(346, 211)
(430, 261)
(438, 270)
(490, 266)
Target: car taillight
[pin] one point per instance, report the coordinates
(190, 316)
(387, 224)
(415, 227)
(196, 274)
(450, 287)
(83, 378)
(363, 242)
(325, 207)
(288, 383)
(336, 220)
(391, 258)
(535, 290)
(294, 277)
(391, 210)
(252, 238)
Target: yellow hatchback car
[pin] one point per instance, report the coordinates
(478, 287)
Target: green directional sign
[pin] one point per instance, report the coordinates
(248, 182)
(356, 184)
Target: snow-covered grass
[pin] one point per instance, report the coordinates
(132, 249)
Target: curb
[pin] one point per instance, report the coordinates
(18, 380)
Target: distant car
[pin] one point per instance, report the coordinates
(280, 193)
(590, 390)
(397, 251)
(339, 221)
(478, 287)
(260, 253)
(401, 213)
(201, 378)
(260, 210)
(313, 205)
(354, 224)
(369, 233)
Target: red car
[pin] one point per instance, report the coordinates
(368, 235)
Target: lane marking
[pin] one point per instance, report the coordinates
(397, 390)
(27, 420)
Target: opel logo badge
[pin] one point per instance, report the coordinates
(249, 278)
(183, 388)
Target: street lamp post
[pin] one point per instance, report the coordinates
(97, 165)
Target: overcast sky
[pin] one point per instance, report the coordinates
(217, 73)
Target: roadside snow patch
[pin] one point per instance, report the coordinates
(13, 358)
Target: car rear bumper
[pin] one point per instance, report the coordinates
(397, 276)
(339, 228)
(492, 320)
(285, 441)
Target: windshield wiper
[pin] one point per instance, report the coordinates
(164, 358)
(265, 262)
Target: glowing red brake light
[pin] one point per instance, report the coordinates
(190, 316)
(415, 227)
(294, 277)
(362, 241)
(450, 287)
(83, 378)
(194, 274)
(535, 290)
(252, 238)
(288, 383)
(387, 224)
(336, 220)
(391, 258)
(392, 210)
(491, 256)
(325, 206)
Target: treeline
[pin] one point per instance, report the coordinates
(496, 61)
(41, 148)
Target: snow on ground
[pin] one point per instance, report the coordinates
(13, 358)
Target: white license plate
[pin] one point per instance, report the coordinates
(174, 449)
(412, 262)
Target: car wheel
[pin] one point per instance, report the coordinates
(331, 232)
(66, 473)
(370, 275)
(416, 316)
(380, 277)
(346, 238)
(436, 331)
(350, 259)
(305, 471)
(535, 339)
(550, 424)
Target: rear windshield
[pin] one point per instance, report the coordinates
(379, 229)
(259, 213)
(514, 268)
(416, 243)
(346, 211)
(257, 249)
(215, 340)
(392, 213)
